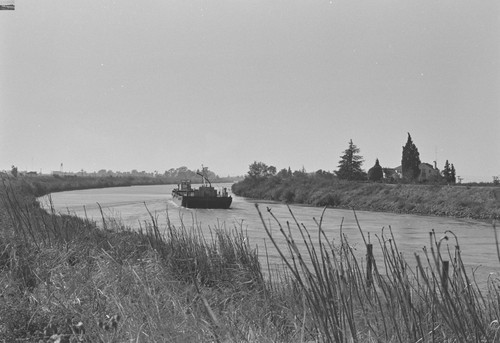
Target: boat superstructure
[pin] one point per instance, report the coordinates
(205, 196)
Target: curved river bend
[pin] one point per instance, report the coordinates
(411, 232)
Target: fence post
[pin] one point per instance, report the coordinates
(369, 264)
(444, 275)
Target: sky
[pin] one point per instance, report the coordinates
(122, 85)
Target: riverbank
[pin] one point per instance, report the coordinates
(438, 200)
(45, 184)
(65, 280)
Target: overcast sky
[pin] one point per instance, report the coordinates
(155, 85)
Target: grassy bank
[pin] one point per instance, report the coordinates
(45, 184)
(63, 280)
(442, 200)
(62, 276)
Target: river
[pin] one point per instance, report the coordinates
(130, 206)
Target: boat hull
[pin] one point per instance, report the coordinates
(203, 202)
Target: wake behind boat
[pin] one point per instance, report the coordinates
(205, 196)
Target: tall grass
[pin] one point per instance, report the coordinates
(62, 278)
(438, 301)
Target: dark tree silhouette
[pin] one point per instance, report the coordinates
(446, 171)
(376, 173)
(260, 169)
(449, 173)
(350, 164)
(453, 178)
(410, 161)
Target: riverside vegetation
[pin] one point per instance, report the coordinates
(324, 189)
(63, 279)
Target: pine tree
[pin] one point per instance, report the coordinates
(446, 171)
(376, 173)
(449, 173)
(453, 178)
(410, 161)
(350, 164)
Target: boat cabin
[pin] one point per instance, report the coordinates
(185, 185)
(205, 191)
(184, 188)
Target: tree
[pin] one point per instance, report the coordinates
(376, 173)
(324, 174)
(284, 173)
(446, 171)
(449, 173)
(260, 169)
(410, 161)
(13, 171)
(453, 178)
(350, 164)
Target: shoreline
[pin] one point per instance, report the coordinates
(376, 205)
(457, 201)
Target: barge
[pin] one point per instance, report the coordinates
(205, 196)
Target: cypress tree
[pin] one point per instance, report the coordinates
(375, 173)
(410, 161)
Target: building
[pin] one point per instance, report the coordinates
(428, 172)
(392, 173)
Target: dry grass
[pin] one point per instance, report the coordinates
(63, 279)
(391, 302)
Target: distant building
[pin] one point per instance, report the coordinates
(428, 172)
(392, 173)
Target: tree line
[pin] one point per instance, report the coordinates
(350, 168)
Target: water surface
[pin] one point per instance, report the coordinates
(411, 232)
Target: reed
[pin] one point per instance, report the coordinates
(64, 278)
(438, 301)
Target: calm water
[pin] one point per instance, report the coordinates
(411, 232)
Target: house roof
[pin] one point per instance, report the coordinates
(426, 164)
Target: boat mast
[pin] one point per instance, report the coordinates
(203, 175)
(204, 178)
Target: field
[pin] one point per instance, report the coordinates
(65, 280)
